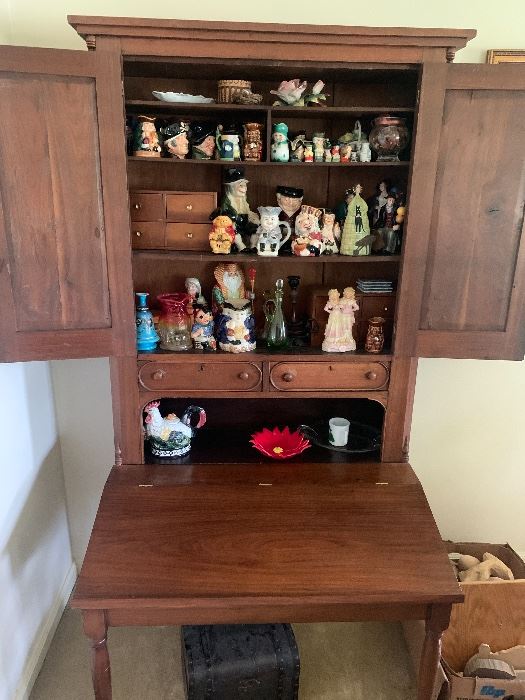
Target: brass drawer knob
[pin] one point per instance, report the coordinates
(189, 207)
(288, 377)
(138, 234)
(189, 234)
(158, 374)
(371, 375)
(137, 206)
(244, 376)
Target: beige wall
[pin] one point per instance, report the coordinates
(468, 437)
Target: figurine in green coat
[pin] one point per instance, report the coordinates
(356, 238)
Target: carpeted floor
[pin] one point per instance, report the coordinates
(338, 662)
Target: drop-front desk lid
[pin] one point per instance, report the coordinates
(265, 542)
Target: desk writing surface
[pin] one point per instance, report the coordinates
(359, 533)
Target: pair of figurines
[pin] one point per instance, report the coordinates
(338, 335)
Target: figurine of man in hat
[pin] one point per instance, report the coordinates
(176, 139)
(290, 200)
(235, 205)
(202, 138)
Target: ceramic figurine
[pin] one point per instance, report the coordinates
(345, 147)
(222, 234)
(297, 148)
(252, 149)
(230, 286)
(330, 233)
(327, 152)
(387, 228)
(290, 93)
(174, 322)
(389, 137)
(235, 205)
(356, 238)
(336, 155)
(228, 143)
(176, 139)
(308, 152)
(147, 336)
(290, 200)
(145, 138)
(171, 436)
(377, 201)
(375, 336)
(365, 154)
(341, 209)
(202, 328)
(318, 141)
(353, 156)
(202, 139)
(280, 150)
(308, 239)
(269, 236)
(235, 326)
(338, 336)
(193, 290)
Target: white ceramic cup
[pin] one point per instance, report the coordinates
(338, 435)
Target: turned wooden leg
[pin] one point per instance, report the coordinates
(437, 621)
(96, 629)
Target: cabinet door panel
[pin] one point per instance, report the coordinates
(58, 247)
(466, 258)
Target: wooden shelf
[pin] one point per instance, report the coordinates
(263, 354)
(293, 259)
(260, 163)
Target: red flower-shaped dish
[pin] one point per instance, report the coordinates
(279, 444)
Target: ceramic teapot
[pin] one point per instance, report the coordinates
(269, 236)
(171, 436)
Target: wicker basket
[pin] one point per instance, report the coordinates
(227, 89)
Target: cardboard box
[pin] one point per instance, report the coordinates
(492, 613)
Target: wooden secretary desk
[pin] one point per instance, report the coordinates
(206, 542)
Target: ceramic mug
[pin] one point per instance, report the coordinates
(338, 431)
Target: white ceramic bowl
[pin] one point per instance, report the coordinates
(182, 97)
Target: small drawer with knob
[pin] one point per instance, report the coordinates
(203, 377)
(146, 206)
(147, 234)
(190, 206)
(329, 376)
(188, 236)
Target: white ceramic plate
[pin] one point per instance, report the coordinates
(182, 97)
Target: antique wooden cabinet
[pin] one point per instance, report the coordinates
(69, 263)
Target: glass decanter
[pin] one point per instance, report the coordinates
(273, 310)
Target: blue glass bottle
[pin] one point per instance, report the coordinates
(147, 336)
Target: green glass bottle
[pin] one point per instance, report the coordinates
(273, 310)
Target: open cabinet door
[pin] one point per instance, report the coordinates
(464, 255)
(65, 264)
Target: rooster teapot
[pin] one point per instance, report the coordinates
(170, 436)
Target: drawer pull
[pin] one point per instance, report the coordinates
(371, 375)
(138, 234)
(288, 377)
(244, 376)
(158, 374)
(137, 206)
(189, 234)
(189, 207)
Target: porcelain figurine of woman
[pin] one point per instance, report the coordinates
(338, 336)
(377, 201)
(269, 236)
(280, 150)
(202, 328)
(145, 138)
(176, 139)
(290, 200)
(202, 139)
(330, 233)
(356, 238)
(234, 204)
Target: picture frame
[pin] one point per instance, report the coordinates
(506, 56)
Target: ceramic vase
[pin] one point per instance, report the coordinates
(388, 137)
(375, 336)
(147, 336)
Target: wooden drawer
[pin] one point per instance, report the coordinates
(188, 236)
(190, 206)
(148, 234)
(206, 376)
(146, 206)
(326, 376)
